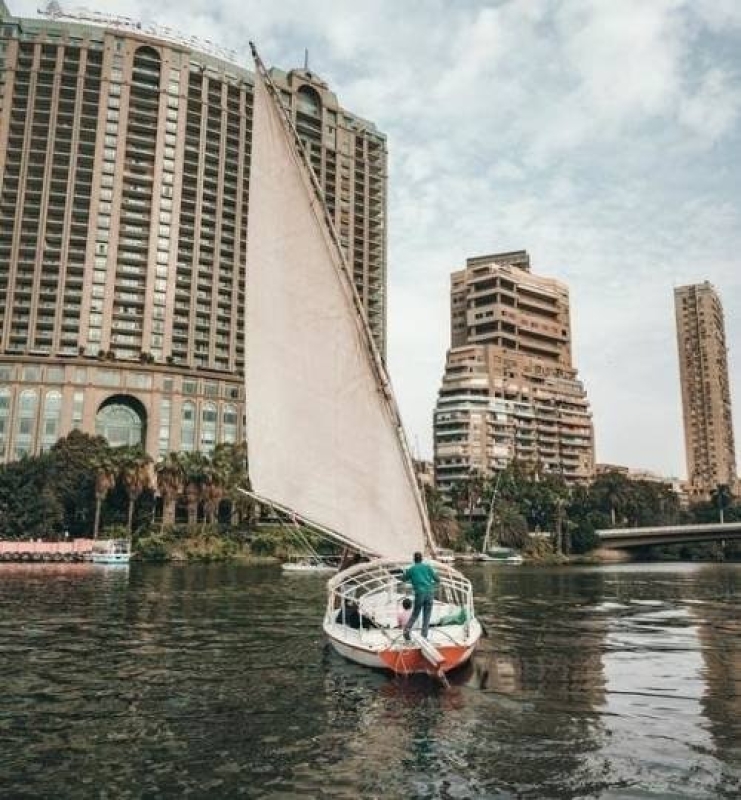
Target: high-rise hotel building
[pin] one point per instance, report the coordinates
(124, 175)
(510, 390)
(706, 394)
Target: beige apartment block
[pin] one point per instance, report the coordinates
(706, 395)
(509, 390)
(124, 178)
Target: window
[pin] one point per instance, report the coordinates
(78, 402)
(229, 425)
(52, 414)
(209, 419)
(188, 427)
(4, 414)
(164, 436)
(139, 380)
(120, 425)
(25, 423)
(108, 377)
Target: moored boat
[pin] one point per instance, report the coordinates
(500, 555)
(306, 564)
(111, 551)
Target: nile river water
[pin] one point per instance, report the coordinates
(214, 681)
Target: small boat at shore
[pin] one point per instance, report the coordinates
(500, 555)
(307, 564)
(326, 443)
(444, 555)
(496, 554)
(111, 551)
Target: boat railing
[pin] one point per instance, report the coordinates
(379, 577)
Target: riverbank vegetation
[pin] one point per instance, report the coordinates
(82, 487)
(540, 514)
(188, 506)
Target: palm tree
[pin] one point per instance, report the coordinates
(135, 473)
(170, 474)
(614, 490)
(213, 488)
(105, 479)
(195, 465)
(442, 517)
(511, 527)
(467, 494)
(230, 461)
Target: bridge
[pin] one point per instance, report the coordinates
(626, 538)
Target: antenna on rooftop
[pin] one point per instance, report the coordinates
(306, 59)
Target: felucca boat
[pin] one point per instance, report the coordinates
(496, 553)
(326, 445)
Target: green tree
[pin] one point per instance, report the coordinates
(612, 491)
(72, 478)
(135, 474)
(230, 460)
(104, 470)
(722, 498)
(509, 525)
(170, 475)
(28, 505)
(467, 494)
(195, 465)
(444, 525)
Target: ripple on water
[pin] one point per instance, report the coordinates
(215, 681)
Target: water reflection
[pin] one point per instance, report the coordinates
(215, 681)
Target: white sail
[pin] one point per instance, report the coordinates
(323, 438)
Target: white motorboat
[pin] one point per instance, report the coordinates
(326, 445)
(500, 555)
(444, 555)
(111, 551)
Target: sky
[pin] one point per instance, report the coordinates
(602, 137)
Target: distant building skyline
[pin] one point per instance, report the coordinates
(706, 396)
(510, 390)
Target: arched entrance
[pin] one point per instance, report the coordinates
(122, 420)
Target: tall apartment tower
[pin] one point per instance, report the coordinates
(706, 395)
(124, 177)
(510, 390)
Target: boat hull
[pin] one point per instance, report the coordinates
(399, 656)
(110, 558)
(403, 661)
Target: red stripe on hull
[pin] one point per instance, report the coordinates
(408, 661)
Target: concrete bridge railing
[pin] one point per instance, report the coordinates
(624, 538)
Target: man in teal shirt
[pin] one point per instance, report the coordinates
(423, 579)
